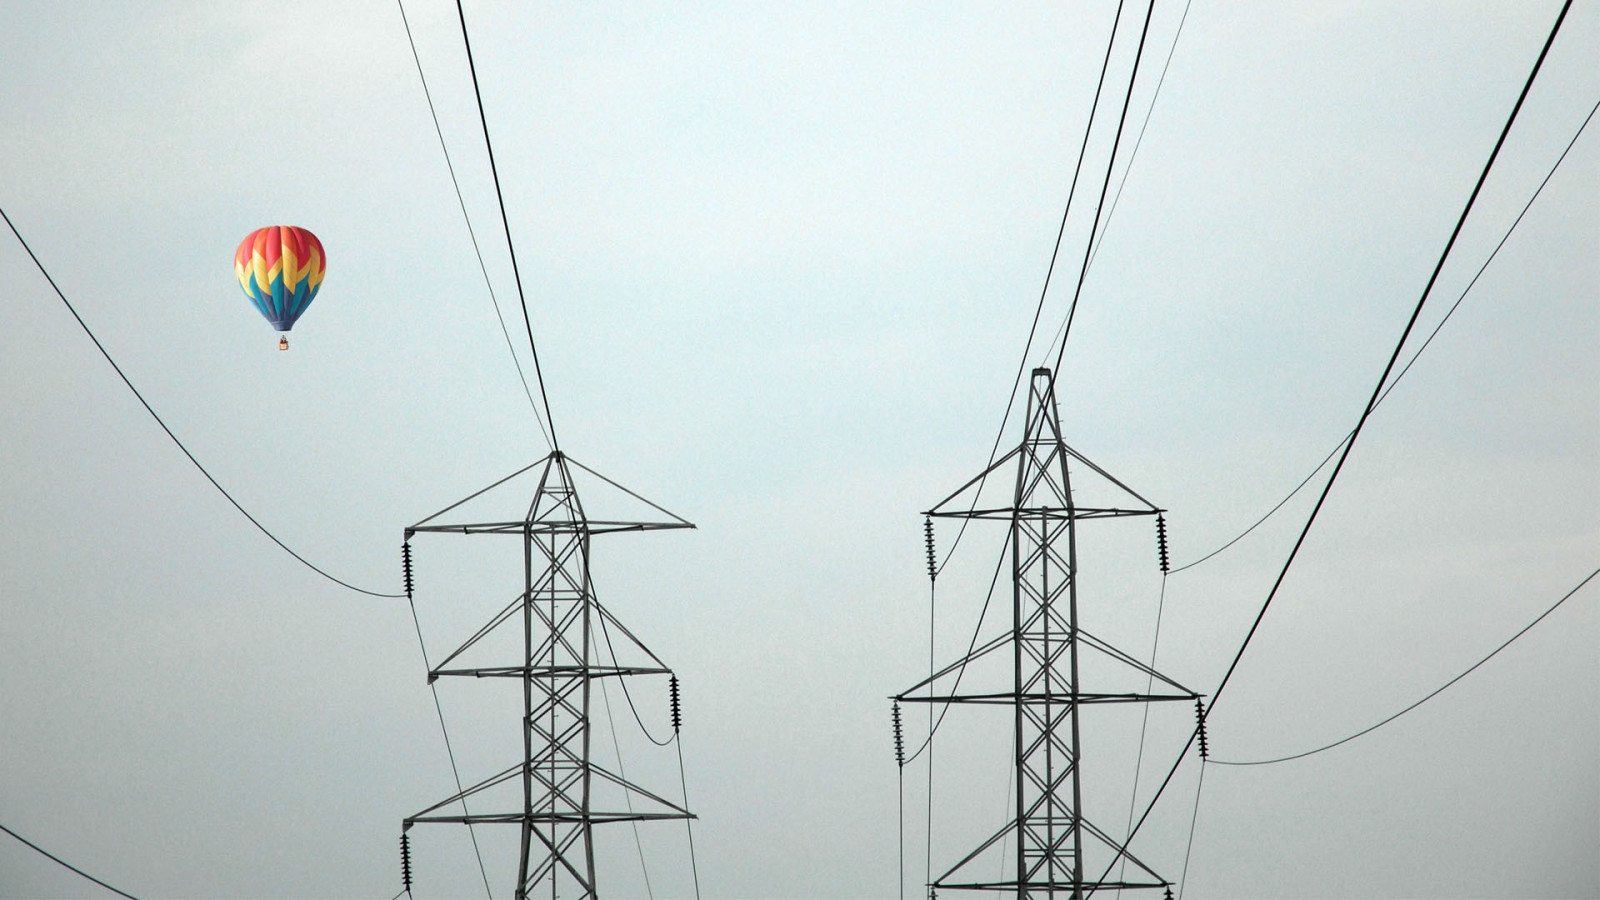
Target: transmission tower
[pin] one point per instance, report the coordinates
(568, 642)
(1048, 848)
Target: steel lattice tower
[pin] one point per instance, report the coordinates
(560, 619)
(1052, 849)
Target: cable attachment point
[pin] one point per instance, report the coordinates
(899, 736)
(1161, 541)
(927, 535)
(405, 565)
(1167, 894)
(1200, 729)
(677, 713)
(405, 860)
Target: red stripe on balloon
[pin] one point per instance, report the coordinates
(270, 246)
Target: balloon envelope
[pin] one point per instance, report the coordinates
(280, 268)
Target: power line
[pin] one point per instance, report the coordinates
(477, 251)
(1139, 140)
(1144, 722)
(1435, 333)
(1194, 817)
(506, 224)
(627, 794)
(934, 723)
(61, 862)
(933, 573)
(151, 410)
(439, 709)
(961, 670)
(1094, 227)
(688, 824)
(677, 738)
(1434, 693)
(611, 649)
(1133, 154)
(1361, 423)
(1049, 271)
(471, 232)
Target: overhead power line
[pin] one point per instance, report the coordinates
(936, 720)
(1049, 272)
(438, 708)
(1105, 185)
(471, 232)
(1365, 414)
(1138, 140)
(1431, 335)
(64, 864)
(1432, 694)
(154, 415)
(505, 223)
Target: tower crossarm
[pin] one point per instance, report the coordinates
(996, 643)
(1088, 887)
(518, 527)
(516, 818)
(551, 671)
(1040, 698)
(1007, 513)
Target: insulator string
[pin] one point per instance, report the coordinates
(677, 710)
(1161, 541)
(899, 736)
(405, 861)
(405, 566)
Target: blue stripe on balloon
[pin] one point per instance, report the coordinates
(255, 299)
(277, 295)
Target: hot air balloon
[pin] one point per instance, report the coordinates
(280, 268)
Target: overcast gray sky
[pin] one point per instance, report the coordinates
(781, 264)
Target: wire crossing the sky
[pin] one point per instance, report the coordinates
(405, 562)
(1105, 185)
(1407, 368)
(505, 223)
(1138, 141)
(64, 864)
(1366, 413)
(1049, 271)
(154, 415)
(471, 232)
(1432, 694)
(934, 571)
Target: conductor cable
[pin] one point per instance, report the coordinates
(159, 421)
